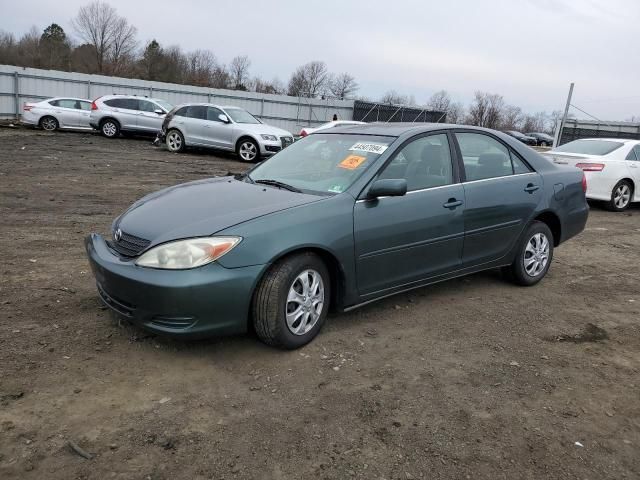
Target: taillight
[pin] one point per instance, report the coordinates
(590, 167)
(27, 107)
(303, 133)
(584, 183)
(94, 106)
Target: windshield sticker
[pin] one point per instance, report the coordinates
(369, 147)
(352, 162)
(336, 189)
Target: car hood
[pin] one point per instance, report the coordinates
(204, 207)
(262, 129)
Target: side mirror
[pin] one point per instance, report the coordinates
(159, 112)
(223, 118)
(393, 187)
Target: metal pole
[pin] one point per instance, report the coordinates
(89, 89)
(262, 108)
(16, 91)
(557, 139)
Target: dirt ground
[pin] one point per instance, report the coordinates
(469, 379)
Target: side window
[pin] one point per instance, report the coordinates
(424, 163)
(146, 106)
(130, 103)
(67, 103)
(54, 103)
(114, 102)
(85, 105)
(484, 157)
(197, 111)
(633, 154)
(636, 149)
(181, 112)
(518, 165)
(212, 114)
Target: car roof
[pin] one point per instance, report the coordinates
(66, 98)
(397, 129)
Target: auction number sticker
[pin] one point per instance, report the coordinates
(352, 162)
(369, 147)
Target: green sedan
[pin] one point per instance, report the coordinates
(335, 221)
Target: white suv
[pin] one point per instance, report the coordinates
(113, 114)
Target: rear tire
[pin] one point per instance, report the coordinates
(49, 123)
(289, 311)
(533, 257)
(621, 196)
(109, 128)
(175, 141)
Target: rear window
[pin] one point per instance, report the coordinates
(590, 147)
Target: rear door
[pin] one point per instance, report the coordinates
(403, 240)
(66, 113)
(193, 126)
(501, 192)
(148, 120)
(633, 165)
(217, 133)
(125, 111)
(85, 113)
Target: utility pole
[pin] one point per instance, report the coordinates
(558, 134)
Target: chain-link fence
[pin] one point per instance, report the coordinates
(378, 112)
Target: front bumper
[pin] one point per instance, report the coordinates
(190, 304)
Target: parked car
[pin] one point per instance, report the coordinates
(611, 166)
(58, 112)
(222, 127)
(522, 137)
(338, 219)
(325, 126)
(543, 139)
(128, 114)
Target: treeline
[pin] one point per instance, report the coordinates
(106, 43)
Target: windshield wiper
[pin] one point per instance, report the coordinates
(244, 176)
(276, 183)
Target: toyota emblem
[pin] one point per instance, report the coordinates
(117, 235)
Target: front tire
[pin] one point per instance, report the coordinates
(49, 124)
(534, 256)
(621, 196)
(291, 302)
(175, 141)
(109, 128)
(248, 150)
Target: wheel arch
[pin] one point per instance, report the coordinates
(337, 275)
(47, 115)
(109, 117)
(244, 137)
(551, 220)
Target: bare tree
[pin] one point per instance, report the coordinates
(123, 45)
(511, 118)
(486, 110)
(342, 85)
(7, 48)
(95, 25)
(298, 83)
(455, 114)
(392, 97)
(440, 101)
(200, 66)
(309, 80)
(239, 72)
(274, 86)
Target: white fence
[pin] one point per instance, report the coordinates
(19, 85)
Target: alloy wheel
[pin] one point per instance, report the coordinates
(248, 151)
(49, 124)
(621, 196)
(174, 141)
(305, 302)
(109, 129)
(536, 254)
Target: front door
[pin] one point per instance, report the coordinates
(66, 113)
(633, 164)
(148, 120)
(402, 240)
(216, 132)
(501, 192)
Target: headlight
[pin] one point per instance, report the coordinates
(272, 138)
(184, 254)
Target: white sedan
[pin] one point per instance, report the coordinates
(611, 167)
(325, 126)
(59, 112)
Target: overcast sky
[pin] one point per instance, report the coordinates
(527, 50)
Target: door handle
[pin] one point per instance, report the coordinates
(452, 203)
(531, 188)
(633, 165)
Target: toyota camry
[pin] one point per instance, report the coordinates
(337, 220)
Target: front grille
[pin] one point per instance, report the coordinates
(286, 141)
(129, 245)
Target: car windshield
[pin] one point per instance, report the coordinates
(166, 105)
(241, 116)
(324, 164)
(590, 147)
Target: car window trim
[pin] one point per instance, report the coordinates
(463, 172)
(454, 164)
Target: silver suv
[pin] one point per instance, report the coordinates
(113, 114)
(222, 127)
